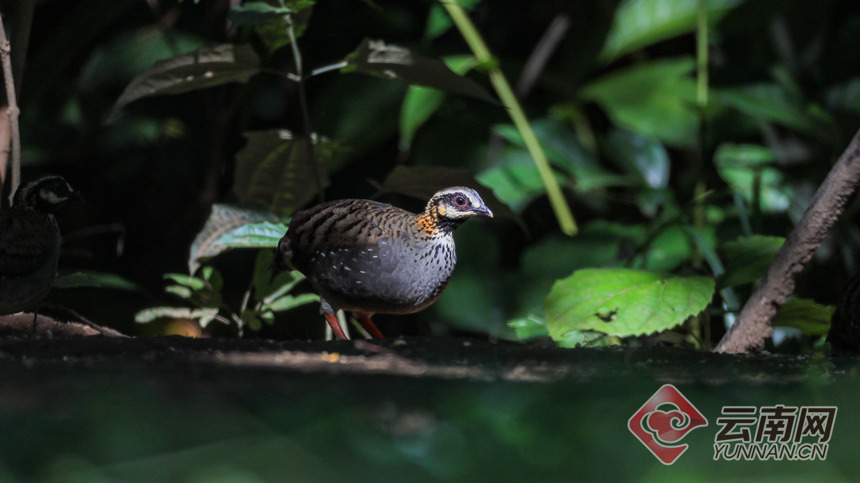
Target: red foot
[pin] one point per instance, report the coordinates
(335, 326)
(365, 322)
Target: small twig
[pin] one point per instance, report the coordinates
(535, 65)
(541, 54)
(753, 327)
(11, 110)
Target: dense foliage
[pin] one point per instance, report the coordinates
(687, 137)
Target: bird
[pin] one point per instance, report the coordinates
(368, 257)
(30, 243)
(844, 333)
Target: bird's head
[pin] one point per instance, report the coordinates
(449, 207)
(44, 195)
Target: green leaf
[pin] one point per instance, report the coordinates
(438, 22)
(654, 99)
(670, 248)
(265, 234)
(420, 103)
(769, 102)
(516, 183)
(201, 69)
(743, 166)
(624, 302)
(515, 179)
(640, 23)
(89, 278)
(805, 315)
(288, 302)
(252, 13)
(189, 281)
(586, 338)
(269, 20)
(224, 220)
(268, 287)
(389, 61)
(422, 182)
(180, 291)
(277, 171)
(122, 58)
(529, 327)
(638, 155)
(748, 259)
(202, 316)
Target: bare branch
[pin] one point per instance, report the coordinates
(11, 109)
(752, 327)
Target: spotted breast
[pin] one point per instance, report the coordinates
(368, 257)
(30, 243)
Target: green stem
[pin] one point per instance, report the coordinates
(506, 94)
(702, 56)
(701, 102)
(303, 106)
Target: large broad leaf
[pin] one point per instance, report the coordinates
(515, 179)
(423, 181)
(232, 227)
(640, 23)
(624, 302)
(269, 19)
(748, 167)
(804, 315)
(655, 99)
(747, 259)
(377, 58)
(128, 55)
(201, 69)
(770, 102)
(277, 170)
(420, 102)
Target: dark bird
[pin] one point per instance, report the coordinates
(844, 333)
(373, 258)
(30, 243)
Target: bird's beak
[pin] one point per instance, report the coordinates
(77, 196)
(483, 210)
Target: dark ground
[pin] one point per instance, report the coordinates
(176, 409)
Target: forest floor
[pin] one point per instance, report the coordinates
(173, 408)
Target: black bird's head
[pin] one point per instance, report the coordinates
(44, 195)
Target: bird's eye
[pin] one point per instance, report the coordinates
(460, 201)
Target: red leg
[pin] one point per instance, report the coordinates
(365, 322)
(335, 326)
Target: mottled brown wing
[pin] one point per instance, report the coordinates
(337, 224)
(25, 240)
(354, 248)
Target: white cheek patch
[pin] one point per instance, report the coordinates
(50, 197)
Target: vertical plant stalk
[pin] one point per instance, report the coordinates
(753, 327)
(303, 106)
(701, 104)
(12, 112)
(503, 89)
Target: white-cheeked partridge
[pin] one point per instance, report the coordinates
(30, 243)
(369, 258)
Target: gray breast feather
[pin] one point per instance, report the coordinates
(386, 273)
